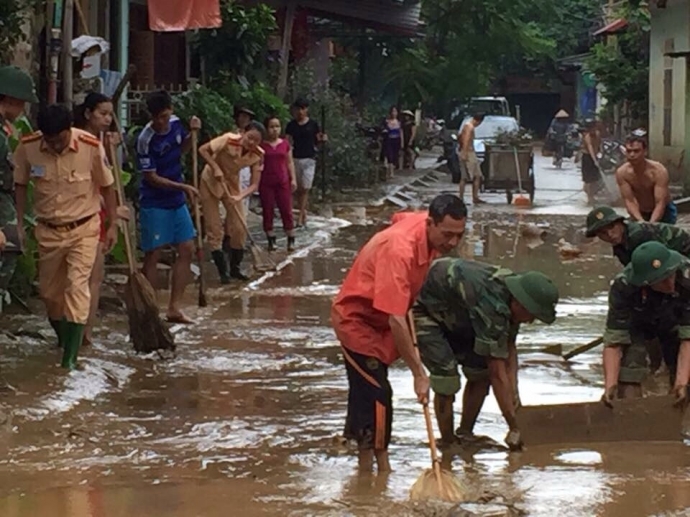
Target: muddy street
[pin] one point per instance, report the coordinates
(246, 419)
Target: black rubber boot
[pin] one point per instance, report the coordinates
(271, 242)
(291, 244)
(236, 257)
(58, 327)
(219, 260)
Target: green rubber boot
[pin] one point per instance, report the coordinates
(73, 334)
(59, 328)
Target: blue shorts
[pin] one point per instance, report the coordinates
(670, 214)
(165, 226)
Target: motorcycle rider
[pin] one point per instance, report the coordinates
(558, 134)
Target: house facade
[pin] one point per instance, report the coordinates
(669, 86)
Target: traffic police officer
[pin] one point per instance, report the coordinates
(469, 313)
(16, 89)
(69, 171)
(225, 157)
(625, 236)
(650, 298)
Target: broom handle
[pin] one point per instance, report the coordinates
(517, 168)
(195, 178)
(239, 215)
(435, 463)
(120, 202)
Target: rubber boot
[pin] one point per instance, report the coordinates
(236, 257)
(73, 334)
(219, 260)
(58, 327)
(291, 244)
(271, 242)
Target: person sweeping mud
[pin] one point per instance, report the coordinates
(16, 90)
(625, 236)
(369, 316)
(644, 185)
(164, 217)
(226, 156)
(68, 169)
(469, 314)
(649, 299)
(471, 168)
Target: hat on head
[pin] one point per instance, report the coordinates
(16, 83)
(408, 112)
(562, 114)
(536, 293)
(600, 218)
(243, 109)
(653, 262)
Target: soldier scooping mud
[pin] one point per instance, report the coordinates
(625, 235)
(650, 298)
(16, 89)
(469, 313)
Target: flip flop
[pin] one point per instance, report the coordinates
(179, 319)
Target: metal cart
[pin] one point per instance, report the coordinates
(500, 171)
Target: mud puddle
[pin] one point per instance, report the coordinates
(245, 419)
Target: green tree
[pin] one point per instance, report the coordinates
(13, 14)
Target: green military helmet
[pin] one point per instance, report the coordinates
(16, 83)
(653, 262)
(600, 218)
(536, 293)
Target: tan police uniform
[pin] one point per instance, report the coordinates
(66, 206)
(231, 157)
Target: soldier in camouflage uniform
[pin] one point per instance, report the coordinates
(469, 313)
(625, 236)
(649, 299)
(16, 89)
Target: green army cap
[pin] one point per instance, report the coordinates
(16, 83)
(601, 217)
(653, 262)
(536, 293)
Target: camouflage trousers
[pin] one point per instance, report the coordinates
(8, 261)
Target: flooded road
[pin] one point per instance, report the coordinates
(245, 420)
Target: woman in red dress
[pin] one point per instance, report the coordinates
(278, 182)
(96, 117)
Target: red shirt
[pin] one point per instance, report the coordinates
(275, 164)
(385, 279)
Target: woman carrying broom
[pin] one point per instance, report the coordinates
(278, 182)
(95, 115)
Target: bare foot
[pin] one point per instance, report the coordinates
(478, 201)
(178, 317)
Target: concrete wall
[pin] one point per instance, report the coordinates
(673, 22)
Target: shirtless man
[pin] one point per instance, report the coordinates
(471, 170)
(644, 185)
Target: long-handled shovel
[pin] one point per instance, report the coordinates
(146, 329)
(197, 220)
(558, 349)
(262, 262)
(434, 483)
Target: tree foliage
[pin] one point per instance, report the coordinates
(13, 15)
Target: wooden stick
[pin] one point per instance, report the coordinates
(82, 18)
(584, 348)
(435, 462)
(197, 219)
(117, 173)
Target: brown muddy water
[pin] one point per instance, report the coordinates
(244, 420)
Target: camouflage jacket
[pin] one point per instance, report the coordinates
(6, 178)
(468, 299)
(636, 311)
(637, 233)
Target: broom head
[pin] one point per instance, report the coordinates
(261, 261)
(522, 201)
(146, 329)
(450, 488)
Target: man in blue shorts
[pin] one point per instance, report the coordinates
(165, 219)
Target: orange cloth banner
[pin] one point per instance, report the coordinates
(181, 15)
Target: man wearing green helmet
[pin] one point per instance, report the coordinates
(16, 89)
(469, 313)
(649, 299)
(626, 235)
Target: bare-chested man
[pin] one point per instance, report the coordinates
(644, 185)
(471, 170)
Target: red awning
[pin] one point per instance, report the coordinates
(180, 15)
(615, 26)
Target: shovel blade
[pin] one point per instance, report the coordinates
(641, 419)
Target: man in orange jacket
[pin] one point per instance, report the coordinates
(369, 316)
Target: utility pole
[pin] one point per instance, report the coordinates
(54, 46)
(67, 62)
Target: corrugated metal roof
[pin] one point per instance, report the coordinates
(388, 15)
